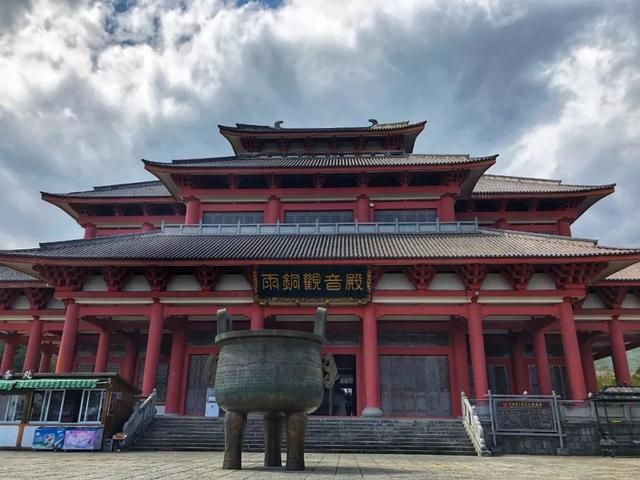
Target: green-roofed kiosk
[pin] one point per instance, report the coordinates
(73, 411)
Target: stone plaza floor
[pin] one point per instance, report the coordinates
(181, 465)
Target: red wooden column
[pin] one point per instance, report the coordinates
(128, 368)
(476, 346)
(363, 210)
(542, 361)
(176, 364)
(66, 352)
(446, 210)
(564, 227)
(520, 371)
(257, 317)
(90, 230)
(33, 345)
(9, 353)
(104, 345)
(45, 359)
(147, 227)
(460, 363)
(619, 352)
(193, 214)
(154, 339)
(577, 387)
(588, 367)
(370, 363)
(272, 210)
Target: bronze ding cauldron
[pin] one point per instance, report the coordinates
(279, 373)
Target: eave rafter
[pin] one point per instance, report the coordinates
(158, 277)
(567, 275)
(519, 275)
(207, 276)
(613, 296)
(63, 277)
(8, 296)
(115, 277)
(38, 297)
(472, 275)
(420, 275)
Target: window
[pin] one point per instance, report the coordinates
(337, 216)
(409, 216)
(232, 218)
(11, 408)
(67, 406)
(91, 408)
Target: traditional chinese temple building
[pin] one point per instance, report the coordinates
(438, 277)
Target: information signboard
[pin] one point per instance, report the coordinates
(525, 415)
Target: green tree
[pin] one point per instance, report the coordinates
(605, 378)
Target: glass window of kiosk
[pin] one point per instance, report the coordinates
(11, 408)
(67, 406)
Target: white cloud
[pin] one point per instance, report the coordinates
(596, 136)
(87, 91)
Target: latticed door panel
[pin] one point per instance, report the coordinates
(413, 385)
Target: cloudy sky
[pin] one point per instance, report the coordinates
(88, 88)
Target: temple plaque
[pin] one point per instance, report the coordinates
(347, 283)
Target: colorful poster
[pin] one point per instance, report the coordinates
(48, 438)
(83, 439)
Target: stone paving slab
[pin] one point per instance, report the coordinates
(206, 465)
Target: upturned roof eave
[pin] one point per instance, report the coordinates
(233, 134)
(23, 260)
(337, 131)
(61, 197)
(595, 190)
(471, 162)
(61, 202)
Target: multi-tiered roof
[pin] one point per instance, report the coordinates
(323, 165)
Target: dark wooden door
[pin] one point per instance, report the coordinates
(201, 376)
(415, 386)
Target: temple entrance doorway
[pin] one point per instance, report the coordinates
(340, 400)
(415, 386)
(202, 375)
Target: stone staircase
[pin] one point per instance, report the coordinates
(324, 434)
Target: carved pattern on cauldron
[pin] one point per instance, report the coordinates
(279, 373)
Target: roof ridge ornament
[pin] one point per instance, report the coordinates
(278, 124)
(373, 122)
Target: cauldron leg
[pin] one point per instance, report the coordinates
(296, 428)
(272, 438)
(234, 424)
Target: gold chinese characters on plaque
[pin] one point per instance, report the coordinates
(297, 282)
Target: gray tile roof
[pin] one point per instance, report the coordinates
(487, 184)
(10, 275)
(499, 184)
(322, 161)
(484, 243)
(246, 127)
(629, 274)
(152, 188)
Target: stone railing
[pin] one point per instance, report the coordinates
(318, 228)
(474, 428)
(143, 414)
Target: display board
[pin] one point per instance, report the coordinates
(525, 415)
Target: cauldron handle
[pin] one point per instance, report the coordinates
(320, 325)
(225, 324)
